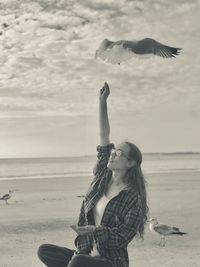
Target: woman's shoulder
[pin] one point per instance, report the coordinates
(133, 195)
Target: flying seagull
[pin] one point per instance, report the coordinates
(163, 230)
(7, 196)
(116, 52)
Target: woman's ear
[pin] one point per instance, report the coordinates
(131, 163)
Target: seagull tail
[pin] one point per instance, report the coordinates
(179, 233)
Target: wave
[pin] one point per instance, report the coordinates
(45, 175)
(88, 174)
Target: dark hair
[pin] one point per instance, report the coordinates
(137, 181)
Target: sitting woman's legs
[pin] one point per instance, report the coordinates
(82, 260)
(55, 256)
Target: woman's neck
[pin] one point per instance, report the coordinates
(118, 178)
(115, 185)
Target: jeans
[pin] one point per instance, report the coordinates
(55, 256)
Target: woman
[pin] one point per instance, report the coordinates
(114, 209)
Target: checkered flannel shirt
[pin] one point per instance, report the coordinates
(120, 221)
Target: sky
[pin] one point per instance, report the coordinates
(50, 80)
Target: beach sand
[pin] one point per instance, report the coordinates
(41, 210)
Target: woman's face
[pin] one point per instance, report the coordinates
(119, 158)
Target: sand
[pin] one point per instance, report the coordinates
(41, 210)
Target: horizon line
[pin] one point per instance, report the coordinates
(93, 155)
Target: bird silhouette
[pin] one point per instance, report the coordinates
(163, 230)
(7, 196)
(122, 50)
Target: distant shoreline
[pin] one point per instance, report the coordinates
(94, 156)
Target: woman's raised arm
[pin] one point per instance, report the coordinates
(104, 126)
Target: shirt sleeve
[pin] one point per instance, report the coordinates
(103, 154)
(120, 236)
(83, 243)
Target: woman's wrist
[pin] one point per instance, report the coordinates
(102, 101)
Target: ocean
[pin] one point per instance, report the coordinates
(37, 168)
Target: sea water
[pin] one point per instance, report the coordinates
(37, 168)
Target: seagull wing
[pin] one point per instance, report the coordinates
(164, 229)
(113, 52)
(5, 196)
(103, 49)
(151, 46)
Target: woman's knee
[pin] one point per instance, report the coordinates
(78, 260)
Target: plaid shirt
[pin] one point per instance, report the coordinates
(121, 218)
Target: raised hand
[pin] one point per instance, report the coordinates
(104, 92)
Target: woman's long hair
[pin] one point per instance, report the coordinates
(137, 181)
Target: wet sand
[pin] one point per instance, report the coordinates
(41, 210)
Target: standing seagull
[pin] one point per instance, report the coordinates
(163, 230)
(7, 196)
(116, 52)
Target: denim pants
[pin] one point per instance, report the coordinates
(56, 256)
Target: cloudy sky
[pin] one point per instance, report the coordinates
(50, 80)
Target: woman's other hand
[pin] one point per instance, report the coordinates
(83, 230)
(104, 92)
